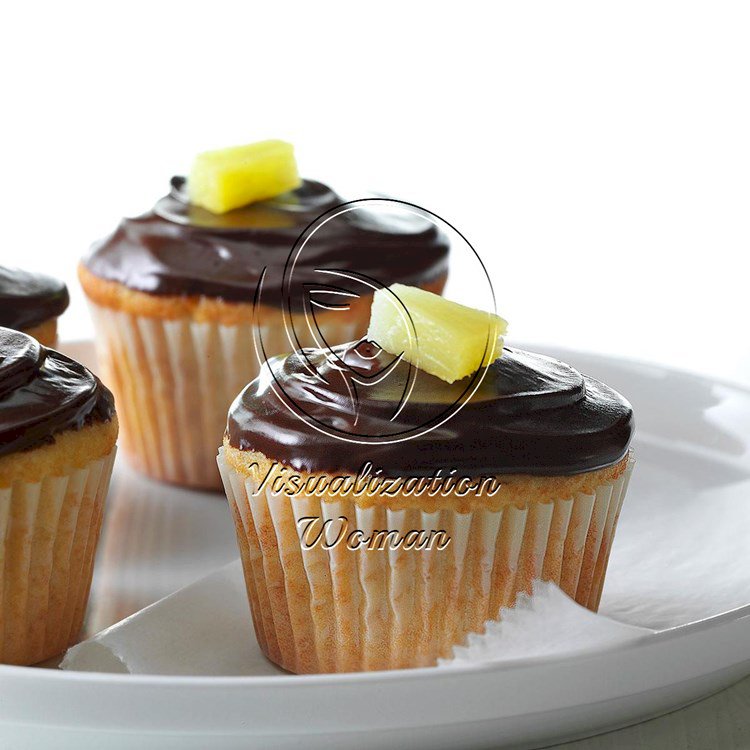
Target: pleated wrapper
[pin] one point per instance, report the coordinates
(48, 536)
(347, 608)
(174, 381)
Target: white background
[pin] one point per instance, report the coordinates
(596, 154)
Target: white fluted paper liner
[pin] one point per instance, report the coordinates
(182, 634)
(339, 609)
(174, 381)
(48, 536)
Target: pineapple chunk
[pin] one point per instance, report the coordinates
(233, 177)
(452, 340)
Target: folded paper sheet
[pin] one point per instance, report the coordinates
(548, 623)
(202, 629)
(205, 629)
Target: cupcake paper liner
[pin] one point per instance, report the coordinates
(174, 381)
(339, 610)
(48, 536)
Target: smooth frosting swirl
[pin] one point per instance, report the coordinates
(29, 299)
(181, 249)
(530, 415)
(43, 392)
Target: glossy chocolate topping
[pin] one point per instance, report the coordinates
(530, 415)
(28, 299)
(43, 392)
(181, 249)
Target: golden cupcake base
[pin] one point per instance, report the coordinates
(48, 536)
(45, 333)
(175, 365)
(346, 610)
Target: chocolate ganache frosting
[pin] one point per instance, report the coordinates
(43, 392)
(529, 415)
(29, 299)
(181, 249)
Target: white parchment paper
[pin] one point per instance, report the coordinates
(205, 629)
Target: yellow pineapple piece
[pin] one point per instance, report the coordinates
(233, 177)
(442, 338)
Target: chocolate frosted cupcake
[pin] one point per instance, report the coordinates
(178, 306)
(383, 513)
(57, 444)
(31, 303)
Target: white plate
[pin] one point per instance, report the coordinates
(688, 501)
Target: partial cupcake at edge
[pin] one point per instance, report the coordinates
(546, 450)
(32, 303)
(173, 295)
(58, 430)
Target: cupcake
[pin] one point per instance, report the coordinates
(31, 303)
(385, 510)
(181, 295)
(57, 444)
